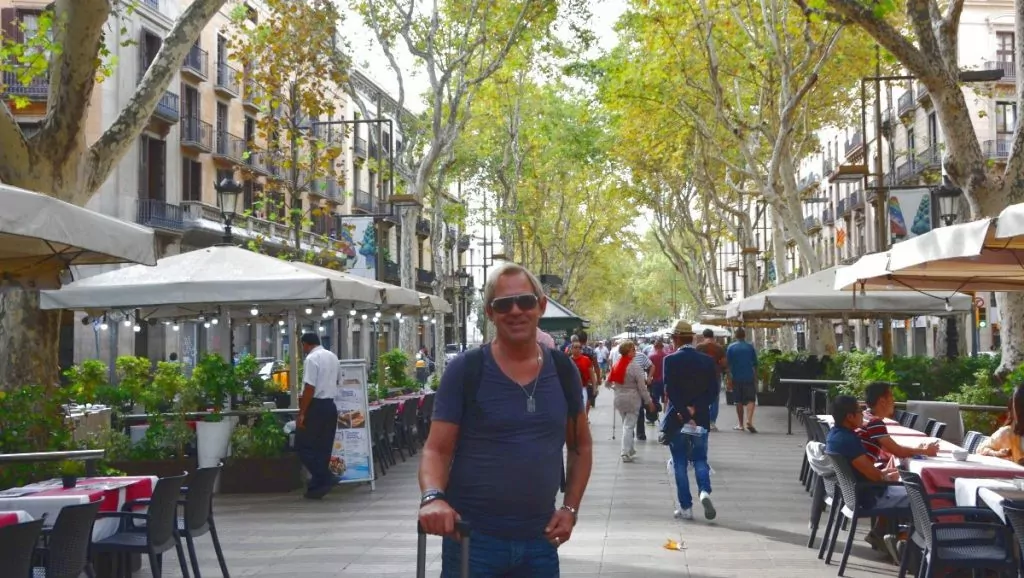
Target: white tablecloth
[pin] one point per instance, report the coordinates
(14, 517)
(943, 460)
(987, 492)
(49, 505)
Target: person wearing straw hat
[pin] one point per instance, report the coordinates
(691, 382)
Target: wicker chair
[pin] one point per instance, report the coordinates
(66, 553)
(945, 546)
(850, 509)
(426, 413)
(161, 532)
(972, 440)
(908, 419)
(378, 436)
(198, 516)
(17, 545)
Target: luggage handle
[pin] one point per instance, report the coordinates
(462, 528)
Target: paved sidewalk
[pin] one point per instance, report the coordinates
(760, 531)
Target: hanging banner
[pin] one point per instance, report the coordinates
(910, 213)
(351, 457)
(360, 234)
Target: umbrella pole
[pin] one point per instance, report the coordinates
(293, 358)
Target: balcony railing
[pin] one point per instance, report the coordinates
(227, 79)
(391, 271)
(927, 159)
(463, 244)
(998, 149)
(360, 147)
(905, 104)
(826, 166)
(253, 95)
(259, 161)
(905, 171)
(196, 133)
(855, 200)
(424, 277)
(197, 62)
(422, 227)
(167, 107)
(841, 207)
(855, 144)
(827, 217)
(811, 224)
(36, 89)
(1009, 69)
(159, 215)
(230, 147)
(922, 92)
(366, 202)
(807, 181)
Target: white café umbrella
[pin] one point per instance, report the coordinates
(41, 233)
(982, 255)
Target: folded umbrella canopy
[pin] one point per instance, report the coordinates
(41, 235)
(983, 255)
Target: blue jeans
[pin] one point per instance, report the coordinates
(714, 404)
(686, 449)
(491, 557)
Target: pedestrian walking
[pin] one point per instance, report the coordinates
(629, 382)
(690, 381)
(318, 415)
(493, 458)
(741, 361)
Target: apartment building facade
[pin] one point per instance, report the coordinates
(205, 130)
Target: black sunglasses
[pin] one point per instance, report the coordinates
(525, 302)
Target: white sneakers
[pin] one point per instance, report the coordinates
(709, 508)
(626, 458)
(684, 514)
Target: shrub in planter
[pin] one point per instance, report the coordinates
(258, 462)
(31, 420)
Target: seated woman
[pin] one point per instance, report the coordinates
(1006, 442)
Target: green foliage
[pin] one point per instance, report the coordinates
(982, 392)
(247, 373)
(216, 380)
(395, 370)
(72, 468)
(435, 382)
(264, 439)
(31, 420)
(87, 380)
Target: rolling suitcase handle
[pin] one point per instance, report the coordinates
(462, 528)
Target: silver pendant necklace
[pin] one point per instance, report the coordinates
(531, 403)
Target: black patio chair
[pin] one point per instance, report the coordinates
(908, 419)
(426, 413)
(851, 510)
(407, 427)
(938, 429)
(17, 546)
(898, 415)
(929, 425)
(66, 550)
(378, 442)
(966, 545)
(161, 532)
(390, 419)
(1014, 515)
(971, 441)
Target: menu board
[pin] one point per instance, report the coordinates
(352, 457)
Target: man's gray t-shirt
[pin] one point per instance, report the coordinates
(508, 463)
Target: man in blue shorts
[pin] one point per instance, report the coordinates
(741, 360)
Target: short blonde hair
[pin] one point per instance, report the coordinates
(509, 269)
(626, 346)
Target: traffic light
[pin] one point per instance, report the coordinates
(981, 315)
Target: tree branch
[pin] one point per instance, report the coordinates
(886, 35)
(108, 150)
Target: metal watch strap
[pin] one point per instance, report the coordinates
(431, 495)
(575, 513)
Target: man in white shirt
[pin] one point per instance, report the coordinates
(318, 415)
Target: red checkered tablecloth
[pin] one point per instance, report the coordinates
(15, 517)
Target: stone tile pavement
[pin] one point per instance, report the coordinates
(760, 531)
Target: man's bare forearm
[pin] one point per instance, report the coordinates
(577, 474)
(434, 469)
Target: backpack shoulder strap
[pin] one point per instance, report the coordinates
(471, 376)
(567, 372)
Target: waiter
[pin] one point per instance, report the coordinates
(318, 415)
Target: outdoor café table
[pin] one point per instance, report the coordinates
(916, 440)
(14, 517)
(941, 472)
(989, 492)
(892, 426)
(48, 497)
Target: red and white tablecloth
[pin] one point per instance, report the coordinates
(47, 498)
(941, 472)
(15, 517)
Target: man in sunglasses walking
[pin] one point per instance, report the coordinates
(502, 415)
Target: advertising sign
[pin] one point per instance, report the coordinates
(360, 234)
(910, 213)
(352, 457)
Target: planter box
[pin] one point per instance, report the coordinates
(260, 475)
(159, 468)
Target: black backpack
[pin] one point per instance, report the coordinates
(564, 367)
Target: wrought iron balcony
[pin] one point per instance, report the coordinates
(841, 208)
(359, 145)
(827, 217)
(463, 244)
(37, 89)
(854, 144)
(922, 92)
(196, 134)
(905, 104)
(811, 225)
(227, 79)
(258, 161)
(167, 107)
(366, 202)
(252, 95)
(158, 214)
(998, 149)
(927, 159)
(197, 63)
(422, 227)
(424, 278)
(230, 147)
(905, 171)
(826, 167)
(855, 200)
(807, 181)
(1009, 70)
(391, 271)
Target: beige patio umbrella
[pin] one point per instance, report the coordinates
(983, 255)
(40, 236)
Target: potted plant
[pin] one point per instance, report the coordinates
(218, 382)
(70, 471)
(258, 461)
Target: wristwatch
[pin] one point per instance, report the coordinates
(431, 495)
(575, 513)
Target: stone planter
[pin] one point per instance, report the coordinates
(261, 475)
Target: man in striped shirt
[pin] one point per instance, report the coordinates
(874, 436)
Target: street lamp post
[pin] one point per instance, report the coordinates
(948, 196)
(229, 191)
